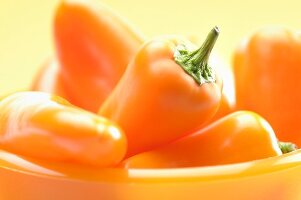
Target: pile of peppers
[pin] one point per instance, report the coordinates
(111, 98)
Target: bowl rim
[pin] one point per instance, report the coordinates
(33, 167)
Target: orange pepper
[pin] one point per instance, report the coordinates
(93, 48)
(44, 126)
(267, 74)
(238, 137)
(167, 90)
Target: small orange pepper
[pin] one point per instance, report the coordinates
(93, 48)
(43, 126)
(167, 90)
(238, 137)
(267, 75)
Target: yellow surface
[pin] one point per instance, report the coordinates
(26, 32)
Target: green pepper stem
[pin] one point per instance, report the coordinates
(287, 147)
(202, 54)
(195, 62)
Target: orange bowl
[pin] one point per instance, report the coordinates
(271, 178)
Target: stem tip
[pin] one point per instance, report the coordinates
(216, 30)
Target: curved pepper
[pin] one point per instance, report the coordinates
(47, 127)
(167, 90)
(267, 75)
(238, 137)
(93, 47)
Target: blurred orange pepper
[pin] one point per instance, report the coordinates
(48, 79)
(44, 126)
(167, 90)
(267, 74)
(93, 48)
(238, 137)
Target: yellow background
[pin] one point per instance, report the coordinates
(26, 27)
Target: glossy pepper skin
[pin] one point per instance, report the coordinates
(93, 47)
(156, 101)
(238, 137)
(267, 74)
(47, 127)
